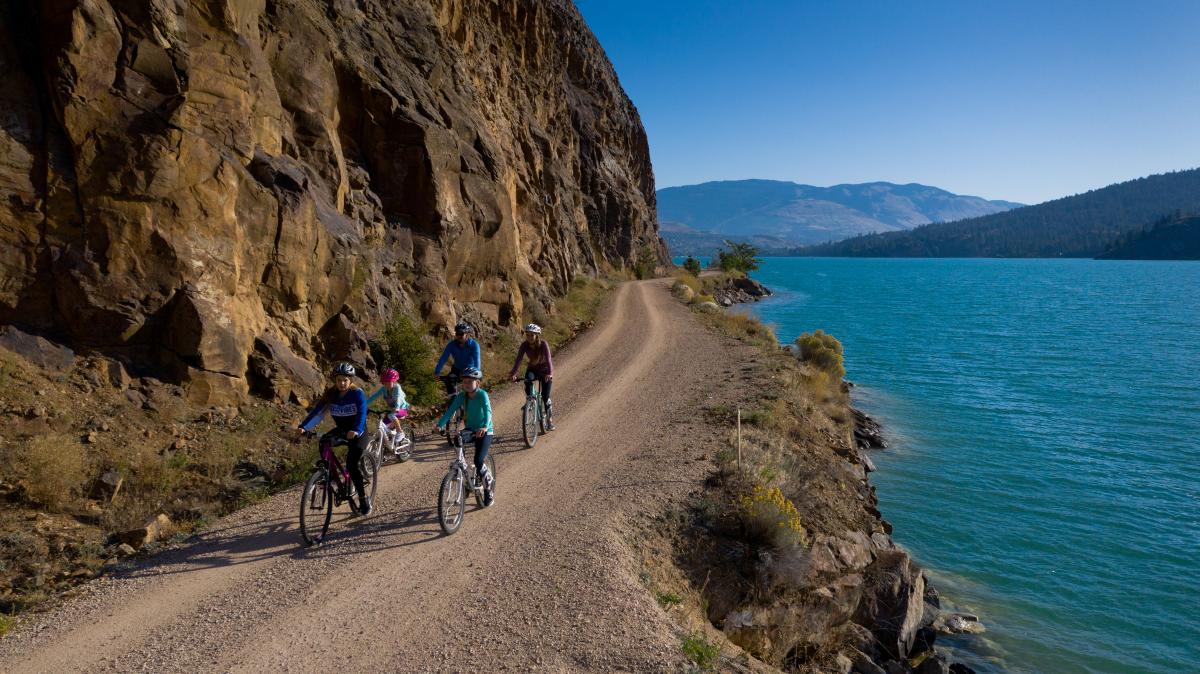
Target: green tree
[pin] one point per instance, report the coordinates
(692, 265)
(647, 261)
(403, 346)
(741, 257)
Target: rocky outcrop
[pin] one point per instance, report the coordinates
(738, 290)
(211, 190)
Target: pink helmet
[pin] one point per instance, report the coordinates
(389, 376)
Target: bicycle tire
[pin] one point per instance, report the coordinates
(375, 448)
(410, 431)
(452, 501)
(369, 466)
(316, 508)
(529, 423)
(479, 494)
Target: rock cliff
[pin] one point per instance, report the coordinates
(218, 191)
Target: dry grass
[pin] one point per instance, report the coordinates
(52, 468)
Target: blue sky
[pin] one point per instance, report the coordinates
(1026, 101)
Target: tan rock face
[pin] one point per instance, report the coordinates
(181, 178)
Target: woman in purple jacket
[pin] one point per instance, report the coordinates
(347, 405)
(540, 367)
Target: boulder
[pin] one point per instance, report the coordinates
(709, 308)
(892, 604)
(958, 623)
(276, 372)
(37, 350)
(155, 529)
(934, 664)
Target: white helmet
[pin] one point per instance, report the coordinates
(534, 328)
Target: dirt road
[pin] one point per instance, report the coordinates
(542, 581)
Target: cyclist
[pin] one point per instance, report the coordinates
(465, 352)
(347, 404)
(396, 402)
(477, 417)
(539, 367)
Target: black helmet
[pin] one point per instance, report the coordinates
(343, 370)
(471, 373)
(463, 329)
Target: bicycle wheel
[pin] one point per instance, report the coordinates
(369, 466)
(410, 431)
(375, 447)
(481, 494)
(529, 423)
(316, 508)
(452, 500)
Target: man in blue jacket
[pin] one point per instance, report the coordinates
(464, 350)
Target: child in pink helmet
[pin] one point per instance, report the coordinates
(395, 403)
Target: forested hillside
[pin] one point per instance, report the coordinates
(1084, 225)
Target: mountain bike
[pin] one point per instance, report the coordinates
(330, 485)
(452, 495)
(384, 443)
(533, 412)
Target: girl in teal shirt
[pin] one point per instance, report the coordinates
(477, 417)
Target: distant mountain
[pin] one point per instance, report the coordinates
(1169, 239)
(697, 218)
(1084, 225)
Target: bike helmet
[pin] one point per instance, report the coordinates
(471, 373)
(389, 376)
(343, 370)
(534, 328)
(463, 329)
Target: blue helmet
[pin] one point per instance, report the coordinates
(344, 370)
(471, 373)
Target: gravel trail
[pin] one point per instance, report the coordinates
(542, 581)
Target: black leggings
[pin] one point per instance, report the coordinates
(354, 452)
(482, 445)
(530, 377)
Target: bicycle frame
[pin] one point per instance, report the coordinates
(460, 462)
(329, 458)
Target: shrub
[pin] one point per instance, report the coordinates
(647, 261)
(700, 651)
(403, 346)
(53, 468)
(668, 599)
(692, 265)
(770, 516)
(741, 257)
(822, 351)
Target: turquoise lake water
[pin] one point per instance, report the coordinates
(1044, 419)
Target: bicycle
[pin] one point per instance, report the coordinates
(455, 424)
(330, 485)
(452, 495)
(533, 412)
(386, 437)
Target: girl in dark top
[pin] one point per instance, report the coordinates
(347, 404)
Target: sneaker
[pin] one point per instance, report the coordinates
(488, 498)
(399, 442)
(550, 425)
(365, 506)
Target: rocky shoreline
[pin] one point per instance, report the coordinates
(893, 615)
(933, 621)
(739, 290)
